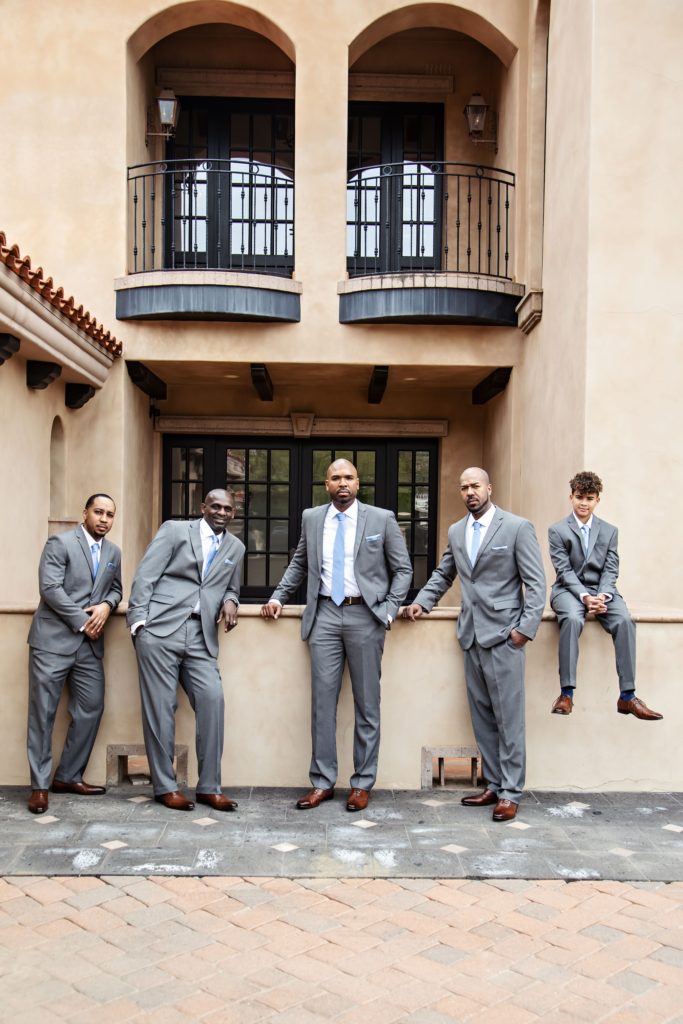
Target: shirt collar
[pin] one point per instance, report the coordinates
(580, 525)
(351, 512)
(484, 520)
(90, 539)
(207, 533)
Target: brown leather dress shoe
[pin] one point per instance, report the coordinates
(563, 705)
(505, 810)
(80, 788)
(358, 800)
(37, 803)
(175, 801)
(313, 798)
(217, 801)
(639, 708)
(480, 799)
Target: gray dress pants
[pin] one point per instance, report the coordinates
(163, 662)
(83, 673)
(347, 633)
(495, 691)
(617, 621)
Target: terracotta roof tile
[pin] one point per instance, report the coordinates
(21, 266)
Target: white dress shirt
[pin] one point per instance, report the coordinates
(484, 523)
(329, 534)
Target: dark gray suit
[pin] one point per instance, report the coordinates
(504, 590)
(591, 573)
(356, 632)
(60, 652)
(173, 647)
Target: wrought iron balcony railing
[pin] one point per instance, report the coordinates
(429, 217)
(211, 215)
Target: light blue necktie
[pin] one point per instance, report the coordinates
(585, 533)
(476, 541)
(338, 556)
(215, 540)
(95, 550)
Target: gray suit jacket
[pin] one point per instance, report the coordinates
(168, 581)
(505, 589)
(67, 589)
(381, 563)
(578, 572)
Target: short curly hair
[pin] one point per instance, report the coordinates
(586, 482)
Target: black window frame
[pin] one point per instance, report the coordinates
(392, 118)
(219, 157)
(302, 480)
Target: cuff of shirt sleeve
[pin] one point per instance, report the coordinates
(136, 626)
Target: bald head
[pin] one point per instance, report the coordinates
(475, 490)
(218, 509)
(342, 483)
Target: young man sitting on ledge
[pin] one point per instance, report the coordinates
(583, 550)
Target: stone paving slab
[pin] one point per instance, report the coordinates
(405, 834)
(241, 950)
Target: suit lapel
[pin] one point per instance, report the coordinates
(493, 529)
(226, 546)
(196, 542)
(104, 558)
(462, 559)
(319, 528)
(360, 527)
(593, 536)
(85, 548)
(571, 523)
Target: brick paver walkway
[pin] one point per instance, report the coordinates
(353, 951)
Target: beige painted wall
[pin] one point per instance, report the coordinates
(93, 463)
(596, 384)
(634, 373)
(423, 703)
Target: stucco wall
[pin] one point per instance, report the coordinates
(265, 671)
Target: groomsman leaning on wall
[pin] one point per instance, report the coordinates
(80, 585)
(186, 585)
(584, 552)
(497, 557)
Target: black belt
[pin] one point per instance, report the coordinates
(347, 600)
(196, 615)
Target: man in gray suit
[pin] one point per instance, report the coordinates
(186, 584)
(497, 557)
(584, 553)
(80, 585)
(358, 572)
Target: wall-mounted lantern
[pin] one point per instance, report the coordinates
(481, 118)
(167, 112)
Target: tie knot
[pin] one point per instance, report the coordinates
(340, 517)
(94, 548)
(476, 526)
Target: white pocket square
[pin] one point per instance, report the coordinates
(499, 547)
(375, 536)
(228, 561)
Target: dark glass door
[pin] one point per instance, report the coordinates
(393, 220)
(230, 186)
(275, 480)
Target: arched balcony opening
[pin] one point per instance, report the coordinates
(213, 194)
(430, 201)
